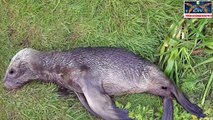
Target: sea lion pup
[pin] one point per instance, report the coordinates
(95, 74)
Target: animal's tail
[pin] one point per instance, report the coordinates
(186, 104)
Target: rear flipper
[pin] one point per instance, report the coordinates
(187, 105)
(167, 109)
(100, 102)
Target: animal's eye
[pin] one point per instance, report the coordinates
(163, 87)
(12, 71)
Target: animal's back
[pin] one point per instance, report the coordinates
(118, 57)
(119, 70)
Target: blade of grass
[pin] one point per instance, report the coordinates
(204, 62)
(170, 62)
(176, 74)
(208, 87)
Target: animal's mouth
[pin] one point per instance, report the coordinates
(11, 85)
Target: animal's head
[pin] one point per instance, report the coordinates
(160, 85)
(19, 71)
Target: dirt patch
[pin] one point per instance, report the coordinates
(25, 42)
(11, 33)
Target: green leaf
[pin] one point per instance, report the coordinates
(170, 62)
(128, 105)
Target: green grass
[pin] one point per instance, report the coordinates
(138, 25)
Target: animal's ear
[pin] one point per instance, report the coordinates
(99, 101)
(164, 88)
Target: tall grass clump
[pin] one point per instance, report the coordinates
(186, 39)
(185, 55)
(186, 48)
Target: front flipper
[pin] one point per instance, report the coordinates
(167, 109)
(186, 104)
(84, 102)
(100, 102)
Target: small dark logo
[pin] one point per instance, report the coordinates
(197, 9)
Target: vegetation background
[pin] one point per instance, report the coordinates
(154, 29)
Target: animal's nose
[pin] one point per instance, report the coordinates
(7, 85)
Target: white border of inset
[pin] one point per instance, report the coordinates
(195, 15)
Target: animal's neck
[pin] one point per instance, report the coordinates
(48, 66)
